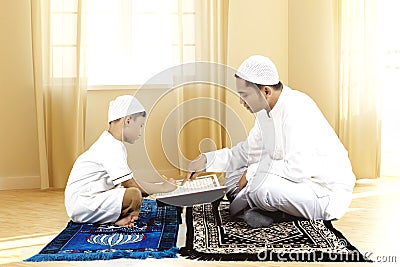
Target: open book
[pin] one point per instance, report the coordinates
(204, 189)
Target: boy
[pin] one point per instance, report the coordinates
(101, 187)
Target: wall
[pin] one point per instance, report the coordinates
(19, 164)
(257, 27)
(313, 53)
(299, 36)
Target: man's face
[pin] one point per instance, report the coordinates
(250, 96)
(133, 129)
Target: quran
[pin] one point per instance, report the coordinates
(204, 189)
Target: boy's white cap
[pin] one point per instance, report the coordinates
(258, 69)
(123, 106)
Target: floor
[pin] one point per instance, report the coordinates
(31, 218)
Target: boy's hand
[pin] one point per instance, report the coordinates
(169, 185)
(195, 167)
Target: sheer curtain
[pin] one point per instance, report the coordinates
(360, 94)
(59, 74)
(389, 50)
(204, 130)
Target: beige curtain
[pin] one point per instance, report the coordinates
(206, 133)
(360, 116)
(59, 73)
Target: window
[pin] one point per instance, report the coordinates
(129, 41)
(63, 38)
(126, 42)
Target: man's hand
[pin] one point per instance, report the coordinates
(242, 181)
(195, 167)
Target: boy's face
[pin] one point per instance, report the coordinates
(133, 128)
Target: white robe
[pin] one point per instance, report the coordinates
(298, 164)
(94, 192)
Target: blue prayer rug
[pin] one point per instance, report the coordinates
(154, 235)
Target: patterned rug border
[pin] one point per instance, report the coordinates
(72, 228)
(190, 253)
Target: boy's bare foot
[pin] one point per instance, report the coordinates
(127, 221)
(134, 218)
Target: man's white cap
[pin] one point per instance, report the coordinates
(258, 69)
(123, 106)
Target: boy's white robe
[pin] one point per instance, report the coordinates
(94, 192)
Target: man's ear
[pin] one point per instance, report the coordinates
(267, 90)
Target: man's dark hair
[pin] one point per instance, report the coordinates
(277, 86)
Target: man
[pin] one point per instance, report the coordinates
(298, 165)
